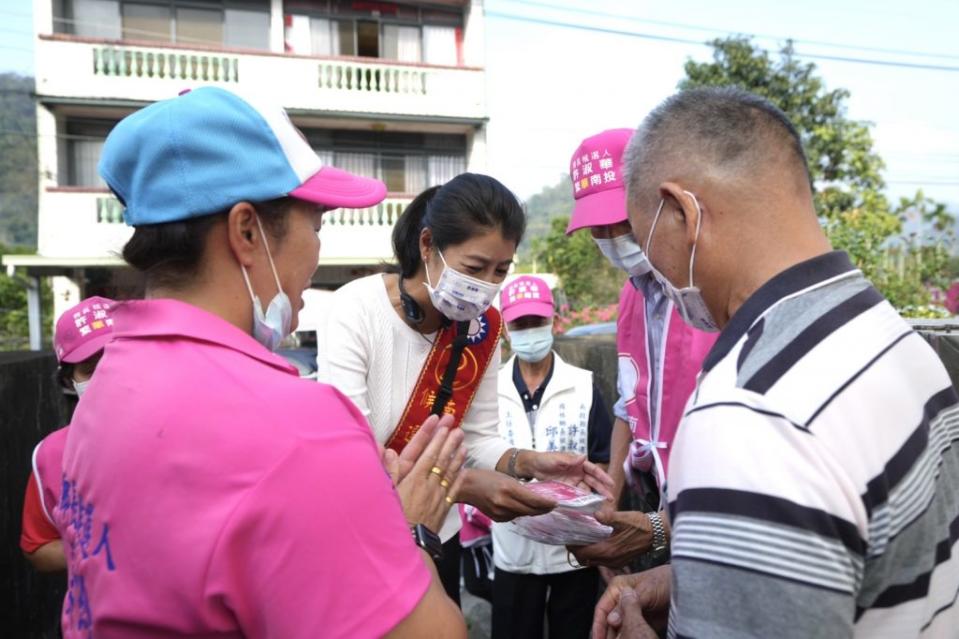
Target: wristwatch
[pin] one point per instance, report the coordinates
(659, 533)
(428, 541)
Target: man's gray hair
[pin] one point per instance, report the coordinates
(718, 129)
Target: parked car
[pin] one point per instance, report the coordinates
(302, 358)
(604, 328)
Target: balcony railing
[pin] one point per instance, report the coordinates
(81, 68)
(89, 223)
(163, 65)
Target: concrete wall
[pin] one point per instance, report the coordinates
(596, 353)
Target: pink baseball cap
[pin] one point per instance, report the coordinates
(596, 170)
(83, 330)
(526, 295)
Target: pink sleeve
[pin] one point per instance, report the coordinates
(320, 547)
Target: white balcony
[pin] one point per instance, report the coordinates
(88, 223)
(86, 69)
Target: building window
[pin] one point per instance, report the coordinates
(405, 162)
(391, 32)
(146, 22)
(326, 37)
(84, 143)
(402, 43)
(232, 23)
(94, 19)
(244, 29)
(200, 26)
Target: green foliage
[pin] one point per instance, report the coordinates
(587, 278)
(846, 171)
(18, 161)
(14, 330)
(552, 202)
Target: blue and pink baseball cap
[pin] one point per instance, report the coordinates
(207, 149)
(596, 170)
(526, 295)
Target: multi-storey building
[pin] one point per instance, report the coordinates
(394, 90)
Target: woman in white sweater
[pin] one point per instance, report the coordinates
(389, 339)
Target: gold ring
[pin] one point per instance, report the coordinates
(445, 483)
(448, 500)
(436, 470)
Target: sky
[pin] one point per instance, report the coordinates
(550, 86)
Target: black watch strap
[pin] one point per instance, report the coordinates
(428, 541)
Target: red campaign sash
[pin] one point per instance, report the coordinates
(482, 342)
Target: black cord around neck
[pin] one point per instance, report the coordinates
(411, 308)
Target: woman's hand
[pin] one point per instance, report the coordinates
(427, 473)
(568, 468)
(501, 497)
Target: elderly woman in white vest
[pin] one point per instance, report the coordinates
(545, 405)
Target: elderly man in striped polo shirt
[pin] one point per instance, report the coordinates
(814, 487)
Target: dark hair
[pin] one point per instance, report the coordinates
(169, 253)
(464, 207)
(726, 126)
(64, 376)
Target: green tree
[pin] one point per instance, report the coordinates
(586, 276)
(846, 170)
(18, 161)
(552, 202)
(14, 330)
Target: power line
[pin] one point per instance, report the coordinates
(19, 32)
(691, 27)
(663, 38)
(922, 183)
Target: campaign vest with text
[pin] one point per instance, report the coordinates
(685, 348)
(561, 424)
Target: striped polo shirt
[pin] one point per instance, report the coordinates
(814, 482)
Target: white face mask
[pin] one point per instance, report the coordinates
(272, 327)
(689, 300)
(624, 253)
(532, 344)
(458, 296)
(80, 387)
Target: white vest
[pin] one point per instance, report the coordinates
(562, 424)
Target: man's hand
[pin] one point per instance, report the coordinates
(501, 497)
(568, 468)
(634, 624)
(614, 617)
(632, 536)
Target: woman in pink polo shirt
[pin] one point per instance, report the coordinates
(78, 339)
(207, 490)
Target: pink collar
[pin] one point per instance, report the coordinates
(172, 318)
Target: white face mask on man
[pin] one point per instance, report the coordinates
(272, 327)
(624, 253)
(81, 387)
(688, 300)
(458, 296)
(532, 344)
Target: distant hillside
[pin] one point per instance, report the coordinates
(18, 162)
(552, 201)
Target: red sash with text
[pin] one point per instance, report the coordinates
(481, 341)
